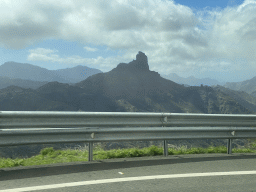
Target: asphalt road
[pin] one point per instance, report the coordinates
(204, 172)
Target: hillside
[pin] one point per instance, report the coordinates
(27, 71)
(243, 98)
(248, 86)
(191, 81)
(31, 76)
(253, 94)
(76, 74)
(6, 82)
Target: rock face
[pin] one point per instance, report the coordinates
(141, 62)
(138, 65)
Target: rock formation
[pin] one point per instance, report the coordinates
(138, 65)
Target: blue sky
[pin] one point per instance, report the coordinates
(199, 4)
(214, 38)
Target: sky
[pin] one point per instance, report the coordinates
(205, 39)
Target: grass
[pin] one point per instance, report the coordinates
(51, 156)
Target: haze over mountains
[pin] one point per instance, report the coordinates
(192, 81)
(128, 87)
(248, 86)
(31, 76)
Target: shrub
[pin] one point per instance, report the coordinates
(47, 151)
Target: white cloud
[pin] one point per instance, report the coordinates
(41, 54)
(233, 35)
(42, 51)
(172, 35)
(48, 55)
(91, 49)
(248, 4)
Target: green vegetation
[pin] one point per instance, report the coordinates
(50, 156)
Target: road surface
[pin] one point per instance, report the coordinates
(202, 172)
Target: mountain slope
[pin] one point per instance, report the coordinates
(14, 98)
(76, 74)
(28, 72)
(6, 82)
(243, 98)
(253, 94)
(191, 81)
(31, 76)
(53, 96)
(249, 86)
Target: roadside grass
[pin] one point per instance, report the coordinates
(51, 156)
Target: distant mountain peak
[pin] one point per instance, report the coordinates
(138, 65)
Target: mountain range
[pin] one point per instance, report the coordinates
(248, 86)
(128, 87)
(31, 76)
(192, 81)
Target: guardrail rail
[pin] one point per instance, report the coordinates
(41, 127)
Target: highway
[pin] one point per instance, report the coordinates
(196, 172)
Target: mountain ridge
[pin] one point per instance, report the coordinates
(191, 80)
(31, 76)
(249, 86)
(130, 87)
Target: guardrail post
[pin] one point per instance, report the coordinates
(165, 148)
(90, 157)
(229, 147)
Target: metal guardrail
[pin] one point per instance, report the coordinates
(33, 127)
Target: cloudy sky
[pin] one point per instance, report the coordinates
(214, 38)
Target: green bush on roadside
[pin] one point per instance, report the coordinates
(50, 156)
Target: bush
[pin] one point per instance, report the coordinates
(47, 151)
